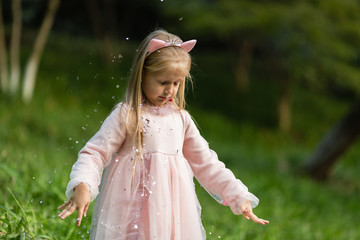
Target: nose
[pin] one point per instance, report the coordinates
(169, 90)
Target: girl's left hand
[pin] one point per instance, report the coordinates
(247, 212)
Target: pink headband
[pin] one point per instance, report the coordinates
(156, 44)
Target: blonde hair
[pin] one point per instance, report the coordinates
(165, 60)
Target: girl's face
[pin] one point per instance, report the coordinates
(161, 88)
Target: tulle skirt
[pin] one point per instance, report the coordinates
(154, 200)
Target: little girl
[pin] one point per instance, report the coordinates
(151, 149)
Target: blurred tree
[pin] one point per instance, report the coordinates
(312, 42)
(109, 21)
(104, 24)
(15, 46)
(334, 144)
(34, 59)
(3, 55)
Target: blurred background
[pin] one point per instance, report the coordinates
(276, 95)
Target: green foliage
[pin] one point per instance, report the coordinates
(315, 42)
(39, 143)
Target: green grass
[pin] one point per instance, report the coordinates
(39, 143)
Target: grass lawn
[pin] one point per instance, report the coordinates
(75, 92)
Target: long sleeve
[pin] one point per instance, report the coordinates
(96, 155)
(211, 173)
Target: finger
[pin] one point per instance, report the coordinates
(252, 216)
(64, 205)
(67, 212)
(79, 217)
(86, 208)
(62, 214)
(258, 220)
(263, 222)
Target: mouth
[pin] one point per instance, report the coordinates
(164, 98)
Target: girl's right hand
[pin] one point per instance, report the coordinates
(79, 201)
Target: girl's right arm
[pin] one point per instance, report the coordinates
(92, 160)
(98, 152)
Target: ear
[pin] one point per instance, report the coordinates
(188, 45)
(155, 44)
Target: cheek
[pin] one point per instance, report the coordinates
(147, 88)
(177, 89)
(152, 90)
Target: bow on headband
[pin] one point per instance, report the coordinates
(156, 44)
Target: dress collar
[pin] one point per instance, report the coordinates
(167, 108)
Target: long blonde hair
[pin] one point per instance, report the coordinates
(167, 60)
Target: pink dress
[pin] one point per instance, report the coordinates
(162, 204)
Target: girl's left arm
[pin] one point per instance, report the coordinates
(212, 174)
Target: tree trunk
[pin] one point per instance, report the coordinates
(15, 47)
(3, 57)
(102, 37)
(33, 62)
(242, 66)
(110, 18)
(284, 105)
(334, 144)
